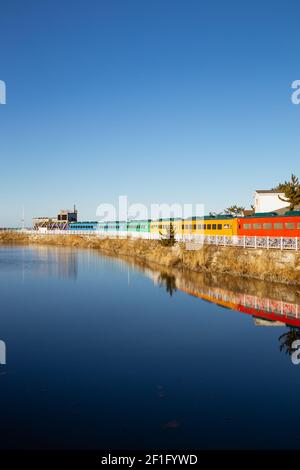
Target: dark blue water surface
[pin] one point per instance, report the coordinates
(99, 355)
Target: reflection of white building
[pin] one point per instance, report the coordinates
(264, 322)
(268, 201)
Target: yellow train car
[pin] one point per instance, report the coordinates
(220, 225)
(162, 226)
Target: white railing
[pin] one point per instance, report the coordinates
(268, 243)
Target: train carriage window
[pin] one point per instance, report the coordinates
(226, 226)
(247, 226)
(208, 226)
(278, 226)
(219, 226)
(267, 226)
(204, 226)
(257, 226)
(194, 227)
(214, 226)
(290, 226)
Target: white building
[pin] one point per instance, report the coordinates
(268, 201)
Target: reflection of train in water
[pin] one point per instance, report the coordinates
(260, 225)
(269, 309)
(264, 309)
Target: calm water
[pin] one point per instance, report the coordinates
(101, 355)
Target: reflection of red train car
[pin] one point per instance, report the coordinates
(288, 317)
(270, 225)
(264, 308)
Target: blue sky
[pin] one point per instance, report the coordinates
(163, 101)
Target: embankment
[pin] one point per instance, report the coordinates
(268, 265)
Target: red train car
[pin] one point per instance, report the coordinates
(270, 225)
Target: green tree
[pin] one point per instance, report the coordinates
(168, 239)
(291, 191)
(235, 210)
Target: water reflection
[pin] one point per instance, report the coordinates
(287, 339)
(59, 262)
(41, 261)
(269, 304)
(116, 360)
(168, 281)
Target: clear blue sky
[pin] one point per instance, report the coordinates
(162, 101)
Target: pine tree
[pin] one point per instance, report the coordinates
(235, 210)
(168, 239)
(291, 191)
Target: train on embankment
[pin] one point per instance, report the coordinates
(257, 225)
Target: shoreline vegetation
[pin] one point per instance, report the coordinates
(266, 265)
